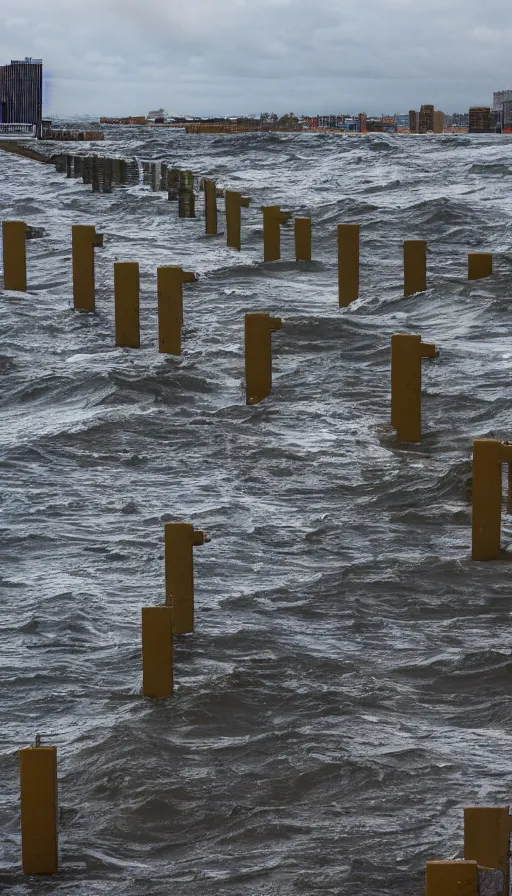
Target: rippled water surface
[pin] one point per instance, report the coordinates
(347, 689)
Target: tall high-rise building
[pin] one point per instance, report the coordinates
(413, 121)
(21, 93)
(426, 119)
(499, 97)
(481, 120)
(501, 100)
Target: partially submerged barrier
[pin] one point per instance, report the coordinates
(39, 814)
(126, 304)
(348, 263)
(170, 282)
(479, 265)
(157, 653)
(415, 266)
(488, 456)
(273, 217)
(84, 241)
(210, 206)
(407, 352)
(180, 540)
(14, 235)
(234, 203)
(258, 355)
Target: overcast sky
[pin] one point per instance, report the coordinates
(107, 57)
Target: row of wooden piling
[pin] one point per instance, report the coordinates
(85, 240)
(180, 185)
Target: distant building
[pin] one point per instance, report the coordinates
(501, 109)
(457, 120)
(481, 120)
(333, 122)
(426, 120)
(499, 97)
(386, 123)
(438, 122)
(402, 119)
(413, 122)
(21, 93)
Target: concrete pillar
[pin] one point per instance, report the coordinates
(39, 806)
(415, 266)
(273, 217)
(84, 241)
(210, 206)
(87, 170)
(173, 184)
(479, 265)
(488, 456)
(170, 282)
(348, 263)
(186, 198)
(157, 661)
(180, 539)
(234, 203)
(14, 235)
(407, 351)
(451, 879)
(258, 355)
(487, 838)
(126, 304)
(95, 174)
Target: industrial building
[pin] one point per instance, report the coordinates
(21, 94)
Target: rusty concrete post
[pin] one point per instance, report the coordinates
(186, 198)
(210, 206)
(173, 184)
(87, 170)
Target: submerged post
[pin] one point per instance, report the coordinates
(407, 352)
(487, 838)
(234, 202)
(210, 206)
(39, 825)
(415, 266)
(488, 456)
(157, 664)
(84, 241)
(14, 234)
(186, 198)
(348, 263)
(451, 878)
(126, 304)
(180, 539)
(302, 239)
(258, 355)
(173, 184)
(170, 282)
(273, 217)
(479, 265)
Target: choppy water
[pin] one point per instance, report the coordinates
(347, 690)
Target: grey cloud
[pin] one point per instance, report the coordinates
(226, 56)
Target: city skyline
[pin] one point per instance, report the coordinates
(215, 57)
